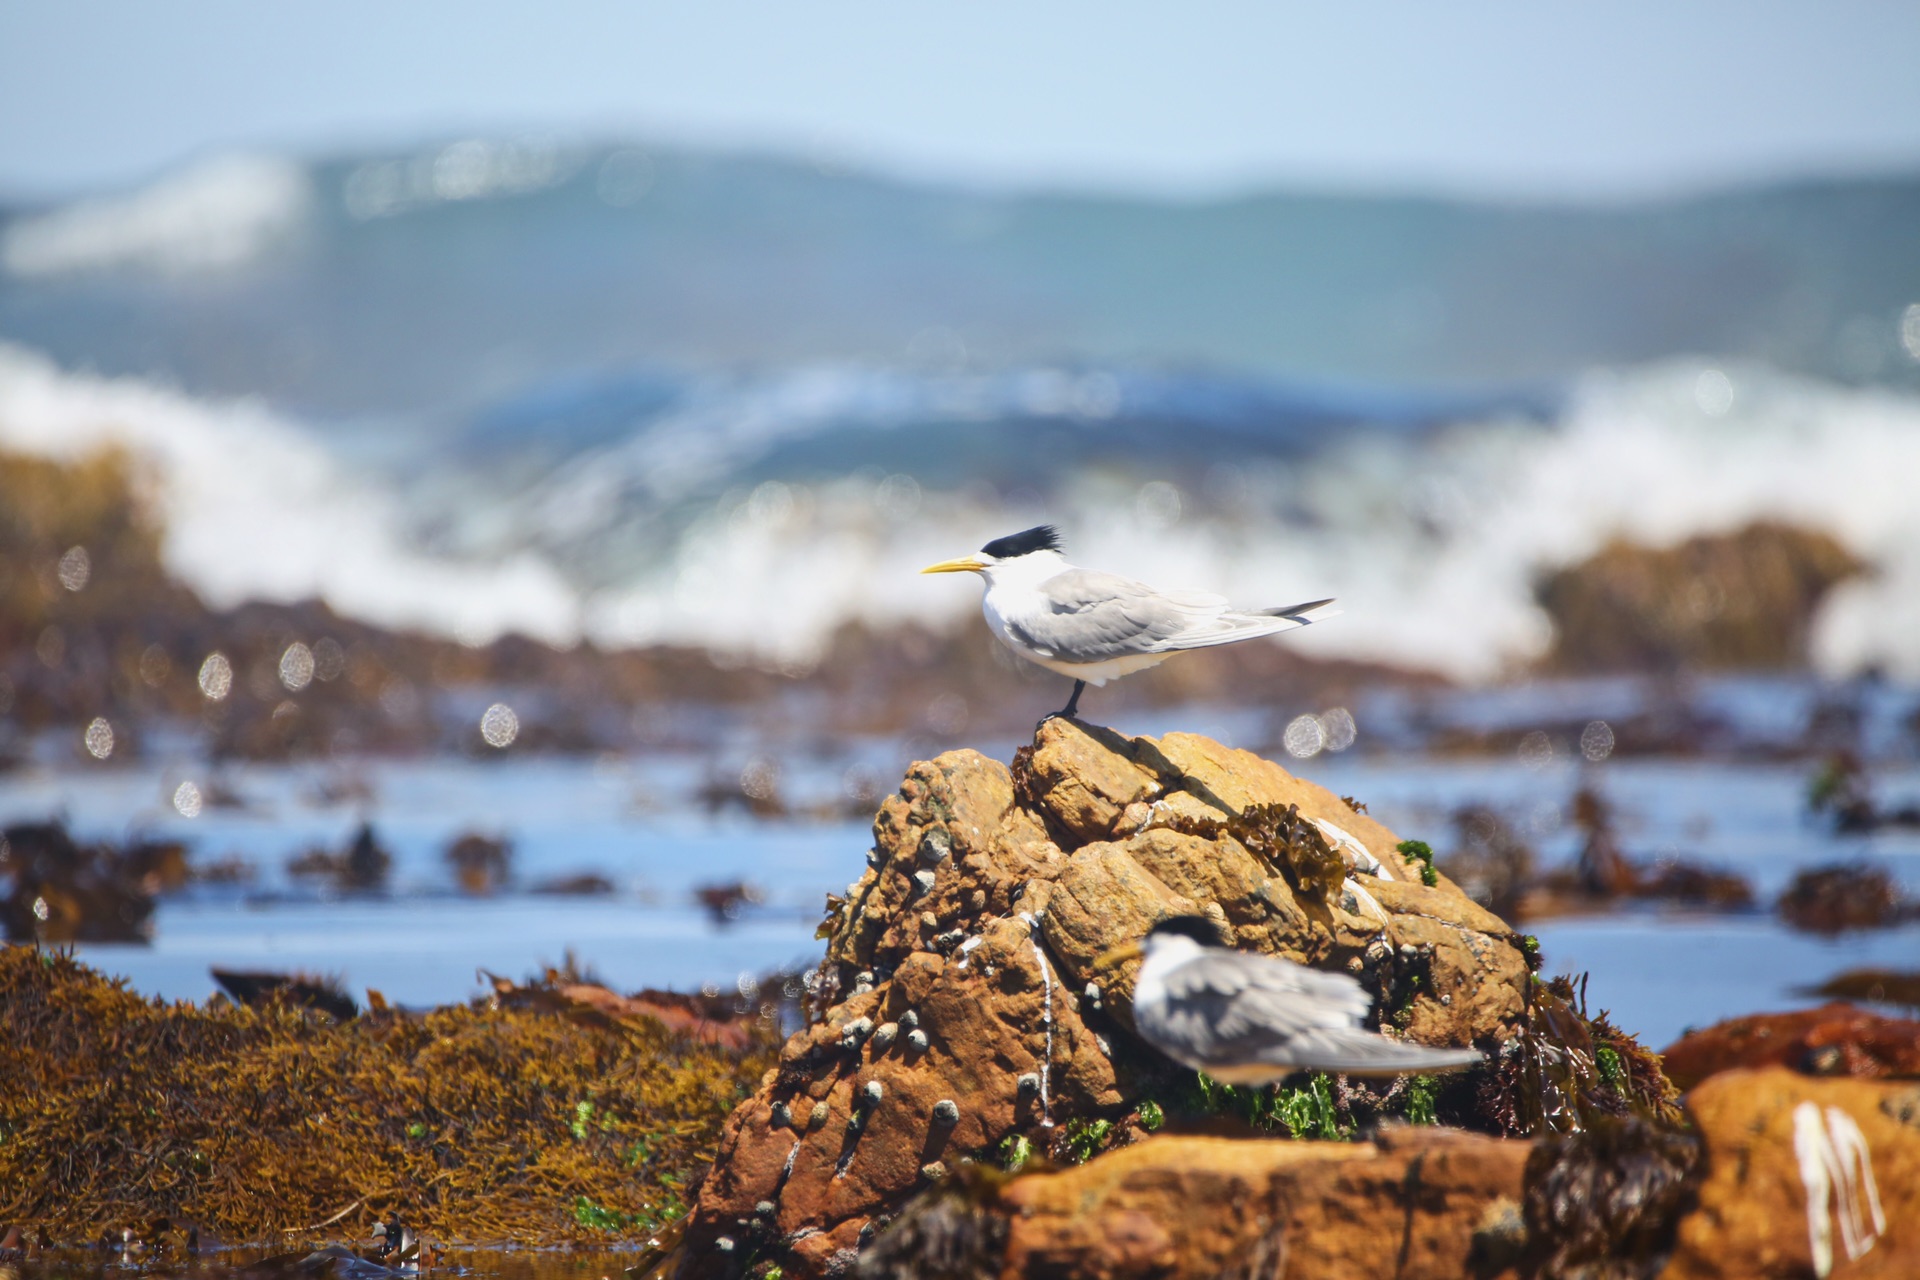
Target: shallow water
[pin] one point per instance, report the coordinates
(629, 820)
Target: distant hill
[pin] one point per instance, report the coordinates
(450, 278)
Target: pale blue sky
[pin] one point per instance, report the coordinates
(1617, 99)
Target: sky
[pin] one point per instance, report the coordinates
(1528, 100)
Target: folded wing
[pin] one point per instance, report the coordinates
(1232, 1008)
(1093, 617)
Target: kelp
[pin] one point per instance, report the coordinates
(500, 1121)
(1295, 845)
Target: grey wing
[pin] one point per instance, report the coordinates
(1237, 1007)
(1233, 1009)
(1092, 616)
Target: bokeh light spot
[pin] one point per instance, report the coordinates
(1157, 505)
(1304, 738)
(216, 677)
(499, 726)
(98, 738)
(296, 667)
(760, 780)
(155, 666)
(1536, 750)
(1713, 392)
(1340, 729)
(187, 800)
(1596, 740)
(76, 567)
(329, 659)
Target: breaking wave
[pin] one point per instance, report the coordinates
(256, 508)
(754, 516)
(219, 214)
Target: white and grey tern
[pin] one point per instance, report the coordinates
(1245, 1018)
(1096, 626)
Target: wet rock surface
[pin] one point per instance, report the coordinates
(965, 1017)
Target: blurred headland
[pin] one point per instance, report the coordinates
(454, 274)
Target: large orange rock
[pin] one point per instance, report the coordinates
(961, 963)
(1423, 1204)
(1805, 1177)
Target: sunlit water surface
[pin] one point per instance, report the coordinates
(633, 821)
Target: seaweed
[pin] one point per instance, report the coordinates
(1606, 1203)
(1840, 896)
(1566, 1069)
(954, 1231)
(512, 1118)
(1082, 1139)
(1294, 845)
(1304, 1107)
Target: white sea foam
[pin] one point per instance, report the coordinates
(220, 213)
(256, 509)
(1433, 547)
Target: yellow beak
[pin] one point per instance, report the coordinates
(965, 564)
(1117, 956)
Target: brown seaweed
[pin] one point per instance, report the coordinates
(500, 1121)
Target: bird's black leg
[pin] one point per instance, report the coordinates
(1072, 708)
(1069, 711)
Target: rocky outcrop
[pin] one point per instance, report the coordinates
(1422, 1204)
(1804, 1177)
(964, 1011)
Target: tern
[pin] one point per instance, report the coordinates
(1096, 626)
(1245, 1018)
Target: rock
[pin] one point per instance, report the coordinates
(1420, 1203)
(962, 802)
(1805, 1177)
(1832, 1040)
(989, 894)
(1740, 600)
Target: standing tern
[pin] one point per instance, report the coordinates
(1246, 1018)
(1097, 626)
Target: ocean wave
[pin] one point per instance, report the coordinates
(255, 508)
(755, 517)
(221, 213)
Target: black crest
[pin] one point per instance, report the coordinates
(1200, 928)
(1042, 537)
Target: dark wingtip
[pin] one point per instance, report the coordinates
(1042, 537)
(1294, 611)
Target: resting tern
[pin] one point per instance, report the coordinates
(1246, 1018)
(1097, 626)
